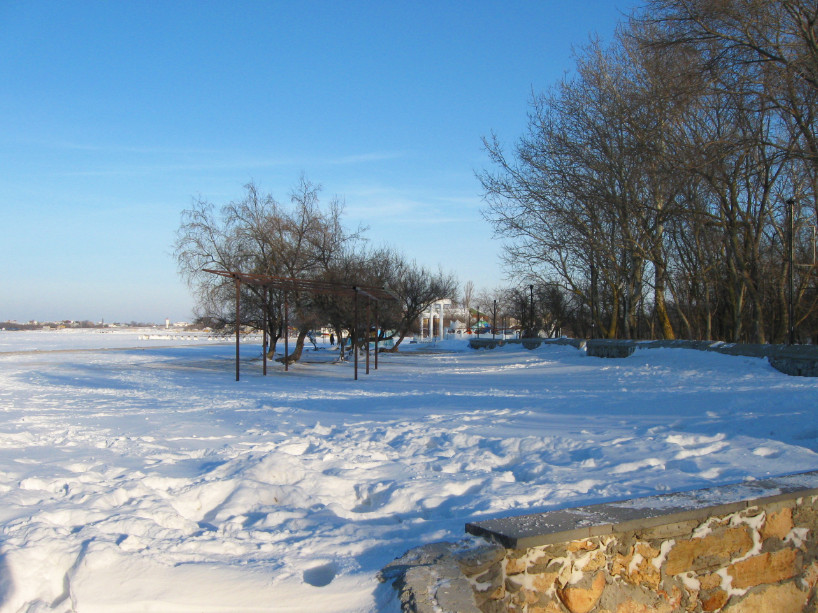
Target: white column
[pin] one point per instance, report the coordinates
(431, 323)
(440, 326)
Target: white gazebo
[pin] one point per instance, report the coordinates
(435, 311)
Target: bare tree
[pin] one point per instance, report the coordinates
(258, 235)
(416, 288)
(586, 196)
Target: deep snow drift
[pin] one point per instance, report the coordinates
(148, 479)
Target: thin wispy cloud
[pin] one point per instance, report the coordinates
(366, 157)
(385, 206)
(211, 161)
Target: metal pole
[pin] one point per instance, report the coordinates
(791, 232)
(368, 329)
(494, 321)
(531, 311)
(238, 315)
(355, 334)
(478, 322)
(593, 296)
(264, 345)
(377, 334)
(286, 334)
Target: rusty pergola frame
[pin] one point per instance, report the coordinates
(288, 284)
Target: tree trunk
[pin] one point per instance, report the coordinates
(394, 348)
(299, 346)
(659, 274)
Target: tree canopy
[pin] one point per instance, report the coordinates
(305, 240)
(661, 184)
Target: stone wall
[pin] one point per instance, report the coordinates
(759, 555)
(487, 342)
(794, 360)
(759, 559)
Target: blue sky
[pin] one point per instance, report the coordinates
(116, 115)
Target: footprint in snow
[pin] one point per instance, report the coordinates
(321, 575)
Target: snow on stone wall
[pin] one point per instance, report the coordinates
(761, 558)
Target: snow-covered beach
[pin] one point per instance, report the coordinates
(137, 475)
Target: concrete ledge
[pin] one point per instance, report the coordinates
(539, 529)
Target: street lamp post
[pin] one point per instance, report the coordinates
(531, 311)
(494, 320)
(791, 257)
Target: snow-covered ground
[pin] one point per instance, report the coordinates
(143, 477)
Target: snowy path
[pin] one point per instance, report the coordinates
(147, 479)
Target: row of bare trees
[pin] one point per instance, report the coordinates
(669, 185)
(305, 241)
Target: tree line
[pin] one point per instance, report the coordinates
(668, 186)
(303, 240)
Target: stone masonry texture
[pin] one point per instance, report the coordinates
(761, 558)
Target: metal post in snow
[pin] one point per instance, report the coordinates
(531, 311)
(791, 281)
(368, 329)
(286, 334)
(377, 334)
(355, 333)
(238, 317)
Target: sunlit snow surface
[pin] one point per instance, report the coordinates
(144, 477)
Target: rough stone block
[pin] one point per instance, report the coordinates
(806, 516)
(525, 597)
(673, 598)
(638, 570)
(493, 606)
(583, 545)
(540, 565)
(491, 578)
(542, 582)
(714, 600)
(551, 607)
(454, 595)
(810, 575)
(582, 600)
(777, 525)
(786, 598)
(709, 552)
(515, 566)
(709, 582)
(631, 606)
(512, 587)
(765, 568)
(479, 559)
